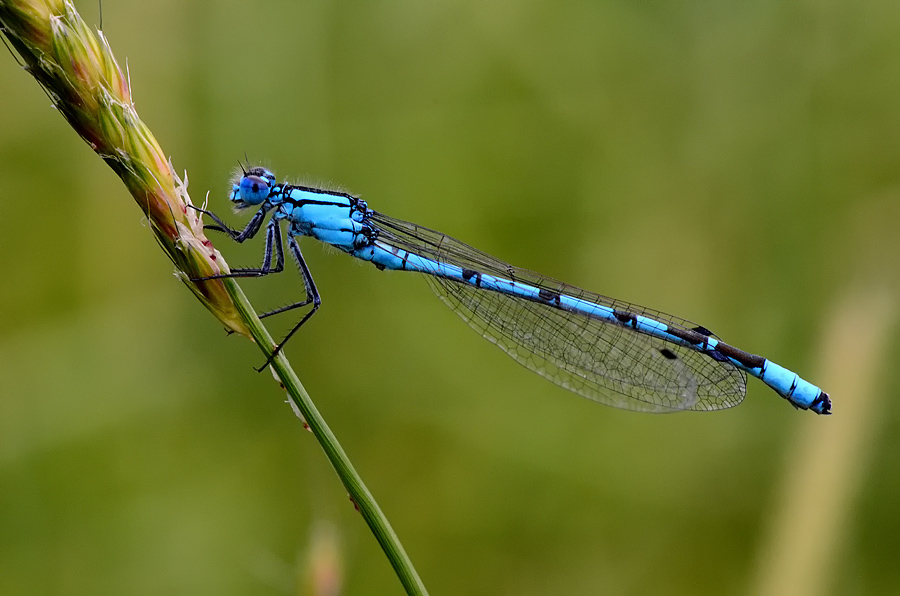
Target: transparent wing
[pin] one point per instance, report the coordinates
(606, 362)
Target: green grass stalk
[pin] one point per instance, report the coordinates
(79, 73)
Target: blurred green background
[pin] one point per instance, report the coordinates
(734, 163)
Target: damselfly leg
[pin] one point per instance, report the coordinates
(273, 246)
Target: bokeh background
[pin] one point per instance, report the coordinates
(734, 163)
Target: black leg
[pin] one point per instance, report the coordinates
(312, 295)
(308, 283)
(273, 244)
(250, 231)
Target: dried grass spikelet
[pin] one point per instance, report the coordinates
(79, 73)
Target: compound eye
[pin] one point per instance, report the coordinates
(254, 189)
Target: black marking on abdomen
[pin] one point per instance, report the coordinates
(703, 330)
(626, 318)
(668, 354)
(745, 358)
(823, 399)
(396, 252)
(549, 296)
(692, 336)
(468, 274)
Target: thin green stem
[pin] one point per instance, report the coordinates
(359, 494)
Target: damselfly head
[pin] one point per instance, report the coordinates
(252, 187)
